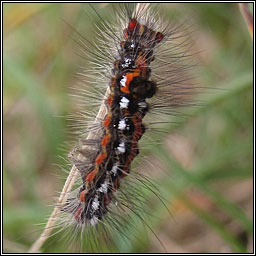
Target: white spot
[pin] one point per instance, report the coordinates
(114, 169)
(128, 62)
(122, 124)
(142, 104)
(95, 203)
(124, 102)
(93, 220)
(132, 45)
(104, 187)
(121, 147)
(123, 81)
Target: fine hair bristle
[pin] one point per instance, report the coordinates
(139, 73)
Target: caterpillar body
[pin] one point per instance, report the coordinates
(141, 70)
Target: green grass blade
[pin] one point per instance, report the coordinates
(234, 211)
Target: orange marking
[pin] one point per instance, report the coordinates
(107, 120)
(132, 24)
(122, 46)
(78, 212)
(110, 100)
(105, 140)
(126, 33)
(91, 175)
(134, 120)
(100, 158)
(82, 196)
(141, 29)
(129, 77)
(136, 136)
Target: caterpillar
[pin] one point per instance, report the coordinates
(139, 72)
(121, 128)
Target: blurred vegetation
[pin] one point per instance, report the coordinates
(210, 178)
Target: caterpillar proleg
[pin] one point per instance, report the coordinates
(139, 74)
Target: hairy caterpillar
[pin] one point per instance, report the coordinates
(139, 68)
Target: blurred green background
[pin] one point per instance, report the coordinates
(208, 154)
